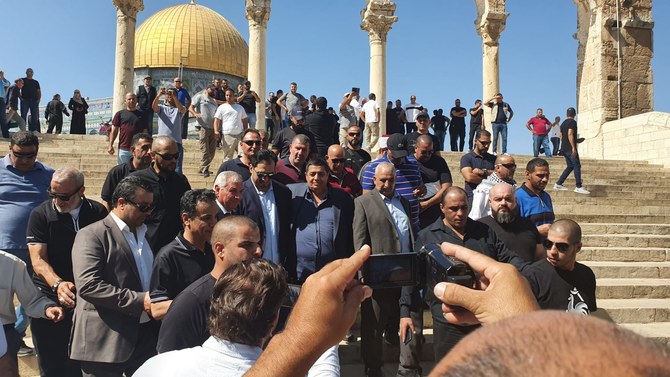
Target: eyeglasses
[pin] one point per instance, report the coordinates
(561, 246)
(27, 156)
(62, 197)
(177, 80)
(354, 134)
(142, 207)
(168, 156)
(484, 142)
(338, 160)
(509, 166)
(426, 153)
(264, 175)
(252, 142)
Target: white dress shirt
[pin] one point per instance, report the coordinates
(400, 220)
(270, 216)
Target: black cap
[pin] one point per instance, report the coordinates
(422, 114)
(397, 145)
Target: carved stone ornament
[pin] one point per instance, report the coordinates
(129, 8)
(258, 12)
(377, 18)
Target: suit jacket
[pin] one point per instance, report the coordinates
(250, 206)
(110, 298)
(373, 224)
(343, 211)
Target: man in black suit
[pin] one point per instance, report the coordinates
(268, 204)
(145, 97)
(228, 189)
(321, 221)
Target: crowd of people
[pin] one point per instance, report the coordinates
(207, 277)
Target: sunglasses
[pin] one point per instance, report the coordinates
(561, 246)
(28, 156)
(484, 142)
(142, 207)
(426, 153)
(509, 166)
(168, 156)
(177, 80)
(353, 134)
(252, 142)
(62, 197)
(264, 175)
(338, 160)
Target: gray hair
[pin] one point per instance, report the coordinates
(384, 166)
(68, 173)
(227, 176)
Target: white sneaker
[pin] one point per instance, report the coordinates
(558, 187)
(582, 190)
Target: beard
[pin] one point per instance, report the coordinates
(505, 217)
(354, 142)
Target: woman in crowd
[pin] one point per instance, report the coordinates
(79, 109)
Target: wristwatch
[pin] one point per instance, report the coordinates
(54, 287)
(486, 171)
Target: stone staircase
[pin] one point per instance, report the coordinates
(625, 221)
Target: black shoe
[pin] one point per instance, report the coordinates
(206, 173)
(541, 150)
(351, 338)
(24, 350)
(392, 339)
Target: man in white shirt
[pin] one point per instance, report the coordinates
(230, 121)
(170, 113)
(371, 116)
(244, 312)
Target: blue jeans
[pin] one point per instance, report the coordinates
(251, 117)
(440, 136)
(124, 156)
(3, 119)
(502, 129)
(572, 163)
(34, 108)
(541, 140)
(180, 160)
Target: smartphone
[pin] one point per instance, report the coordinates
(355, 89)
(390, 270)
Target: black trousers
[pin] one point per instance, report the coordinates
(51, 343)
(457, 132)
(376, 312)
(410, 127)
(471, 138)
(446, 336)
(145, 348)
(149, 120)
(184, 125)
(55, 122)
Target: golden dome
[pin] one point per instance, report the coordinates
(193, 34)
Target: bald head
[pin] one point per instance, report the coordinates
(502, 200)
(569, 228)
(335, 159)
(552, 343)
(454, 192)
(505, 167)
(226, 229)
(162, 143)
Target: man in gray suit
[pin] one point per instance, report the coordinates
(113, 332)
(381, 220)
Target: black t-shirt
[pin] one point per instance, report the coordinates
(572, 291)
(186, 323)
(237, 166)
(57, 231)
(410, 138)
(521, 235)
(30, 88)
(472, 160)
(356, 159)
(456, 120)
(248, 103)
(176, 266)
(164, 223)
(283, 138)
(439, 122)
(476, 119)
(568, 124)
(322, 125)
(433, 170)
(115, 175)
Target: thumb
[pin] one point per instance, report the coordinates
(457, 295)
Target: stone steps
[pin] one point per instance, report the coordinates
(621, 288)
(632, 270)
(629, 254)
(638, 310)
(586, 217)
(626, 240)
(659, 331)
(622, 228)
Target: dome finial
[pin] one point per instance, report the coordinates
(192, 2)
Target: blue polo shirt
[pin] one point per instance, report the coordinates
(20, 192)
(407, 178)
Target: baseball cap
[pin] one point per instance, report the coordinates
(422, 114)
(296, 112)
(397, 144)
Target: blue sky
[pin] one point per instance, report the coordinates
(433, 50)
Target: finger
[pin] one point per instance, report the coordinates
(354, 297)
(460, 317)
(458, 295)
(477, 261)
(348, 267)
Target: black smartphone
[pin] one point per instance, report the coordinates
(355, 89)
(390, 270)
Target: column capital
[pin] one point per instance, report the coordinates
(377, 18)
(491, 29)
(258, 12)
(129, 8)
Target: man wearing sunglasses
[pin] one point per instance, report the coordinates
(503, 173)
(23, 186)
(140, 149)
(356, 156)
(435, 175)
(340, 176)
(422, 126)
(52, 228)
(113, 332)
(250, 145)
(268, 203)
(559, 281)
(478, 164)
(167, 187)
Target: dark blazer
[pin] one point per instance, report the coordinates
(373, 224)
(250, 206)
(343, 211)
(110, 298)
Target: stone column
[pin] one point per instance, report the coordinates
(490, 25)
(377, 18)
(258, 14)
(126, 18)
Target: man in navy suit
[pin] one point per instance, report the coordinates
(267, 203)
(322, 218)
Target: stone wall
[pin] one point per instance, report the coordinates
(643, 137)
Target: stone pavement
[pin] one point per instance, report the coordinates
(625, 222)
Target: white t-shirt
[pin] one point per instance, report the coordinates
(370, 109)
(411, 111)
(231, 118)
